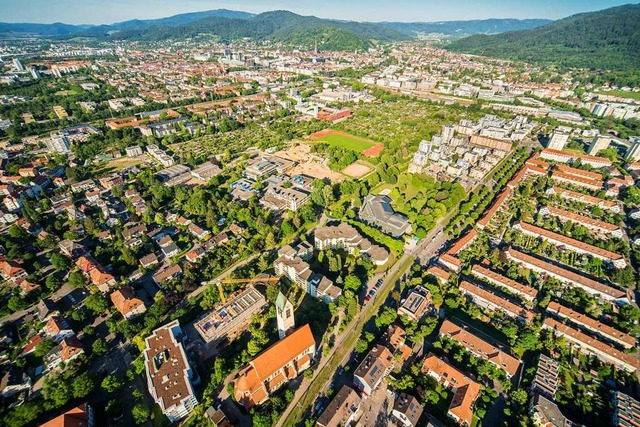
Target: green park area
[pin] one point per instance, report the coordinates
(622, 94)
(347, 141)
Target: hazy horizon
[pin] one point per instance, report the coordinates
(97, 12)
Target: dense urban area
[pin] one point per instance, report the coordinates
(316, 231)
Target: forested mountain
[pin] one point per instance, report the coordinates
(58, 29)
(279, 26)
(466, 28)
(607, 39)
(42, 30)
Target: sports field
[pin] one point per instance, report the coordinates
(351, 142)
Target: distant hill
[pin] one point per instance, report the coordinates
(59, 29)
(607, 39)
(280, 26)
(466, 28)
(42, 30)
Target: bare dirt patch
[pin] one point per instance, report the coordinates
(356, 170)
(308, 163)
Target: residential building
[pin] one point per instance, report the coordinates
(496, 206)
(510, 285)
(545, 413)
(343, 410)
(439, 273)
(626, 410)
(226, 322)
(571, 157)
(558, 140)
(14, 380)
(133, 151)
(480, 348)
(169, 376)
(416, 303)
(378, 212)
(587, 199)
(465, 390)
(291, 264)
(274, 367)
(587, 222)
(206, 171)
(592, 325)
(80, 416)
(69, 349)
(407, 410)
(494, 302)
(58, 144)
(279, 197)
(167, 274)
(345, 236)
(590, 345)
(376, 365)
(617, 260)
(127, 303)
(57, 329)
(599, 142)
(545, 381)
(600, 290)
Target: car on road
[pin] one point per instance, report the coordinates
(367, 299)
(340, 371)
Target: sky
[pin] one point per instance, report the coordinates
(110, 11)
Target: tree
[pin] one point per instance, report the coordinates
(23, 415)
(96, 303)
(99, 347)
(140, 413)
(362, 346)
(83, 384)
(76, 280)
(387, 317)
(53, 282)
(43, 348)
(111, 384)
(17, 303)
(56, 389)
(59, 261)
(351, 282)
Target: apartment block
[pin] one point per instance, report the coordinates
(526, 292)
(231, 319)
(590, 345)
(480, 348)
(465, 390)
(377, 364)
(416, 303)
(626, 410)
(494, 302)
(584, 198)
(343, 409)
(588, 284)
(587, 222)
(560, 240)
(169, 376)
(592, 325)
(545, 381)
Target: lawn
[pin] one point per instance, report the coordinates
(622, 94)
(346, 141)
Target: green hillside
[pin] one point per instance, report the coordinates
(607, 39)
(280, 26)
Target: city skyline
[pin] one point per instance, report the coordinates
(95, 12)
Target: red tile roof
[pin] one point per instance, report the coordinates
(592, 324)
(567, 275)
(480, 347)
(568, 241)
